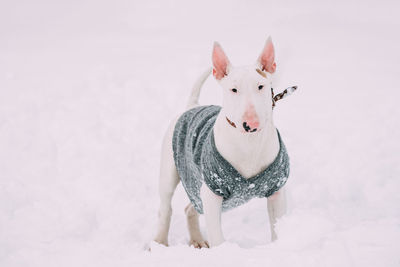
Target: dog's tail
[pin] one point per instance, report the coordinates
(194, 95)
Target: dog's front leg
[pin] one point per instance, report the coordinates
(212, 211)
(276, 208)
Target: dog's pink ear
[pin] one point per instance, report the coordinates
(266, 61)
(220, 62)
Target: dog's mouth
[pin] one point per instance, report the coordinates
(231, 122)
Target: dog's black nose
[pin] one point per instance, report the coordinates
(247, 128)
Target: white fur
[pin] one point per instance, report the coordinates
(249, 153)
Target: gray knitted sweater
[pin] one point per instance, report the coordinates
(197, 160)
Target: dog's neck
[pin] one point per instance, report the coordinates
(248, 153)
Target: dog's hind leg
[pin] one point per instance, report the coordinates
(169, 179)
(196, 238)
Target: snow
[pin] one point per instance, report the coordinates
(87, 89)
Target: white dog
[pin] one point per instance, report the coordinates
(225, 155)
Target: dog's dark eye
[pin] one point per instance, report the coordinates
(260, 87)
(234, 90)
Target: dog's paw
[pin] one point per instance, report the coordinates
(154, 246)
(199, 243)
(161, 241)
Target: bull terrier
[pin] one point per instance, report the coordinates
(226, 155)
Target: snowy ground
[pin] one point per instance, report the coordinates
(87, 89)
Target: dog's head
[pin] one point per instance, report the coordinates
(247, 96)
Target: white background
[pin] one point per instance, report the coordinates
(87, 89)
